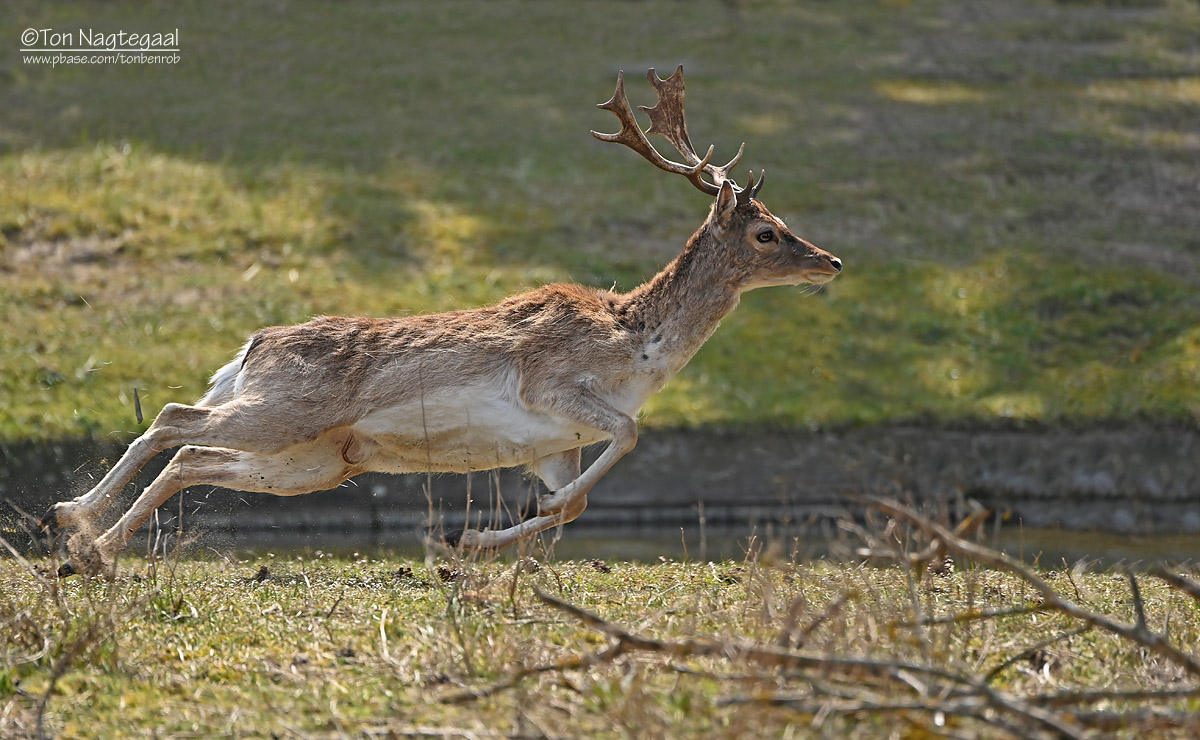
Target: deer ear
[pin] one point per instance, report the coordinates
(726, 203)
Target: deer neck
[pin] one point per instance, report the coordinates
(680, 307)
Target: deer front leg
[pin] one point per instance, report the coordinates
(559, 469)
(569, 501)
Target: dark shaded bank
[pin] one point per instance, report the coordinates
(1140, 480)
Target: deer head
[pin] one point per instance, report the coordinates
(760, 247)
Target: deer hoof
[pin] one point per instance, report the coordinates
(66, 570)
(49, 521)
(87, 556)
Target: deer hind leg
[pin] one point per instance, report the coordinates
(236, 425)
(162, 434)
(566, 502)
(559, 469)
(315, 466)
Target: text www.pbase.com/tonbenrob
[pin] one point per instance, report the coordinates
(51, 47)
(58, 57)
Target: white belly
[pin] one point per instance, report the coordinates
(464, 429)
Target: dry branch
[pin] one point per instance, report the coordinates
(1136, 633)
(1184, 584)
(786, 638)
(566, 664)
(1142, 720)
(1033, 650)
(924, 691)
(443, 732)
(970, 688)
(1065, 698)
(975, 615)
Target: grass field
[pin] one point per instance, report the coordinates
(1014, 189)
(316, 646)
(1012, 186)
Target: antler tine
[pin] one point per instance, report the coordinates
(736, 158)
(668, 120)
(762, 177)
(630, 130)
(632, 136)
(751, 190)
(667, 117)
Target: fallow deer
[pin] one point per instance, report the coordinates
(529, 381)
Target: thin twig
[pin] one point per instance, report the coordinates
(446, 732)
(1142, 719)
(1067, 698)
(1153, 642)
(1187, 585)
(569, 663)
(976, 615)
(918, 615)
(1139, 608)
(974, 709)
(829, 612)
(724, 677)
(775, 656)
(64, 661)
(809, 704)
(1033, 650)
(762, 654)
(26, 564)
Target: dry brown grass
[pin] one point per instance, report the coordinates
(949, 640)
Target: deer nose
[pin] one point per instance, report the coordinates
(836, 263)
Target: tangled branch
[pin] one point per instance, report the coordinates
(1137, 633)
(848, 685)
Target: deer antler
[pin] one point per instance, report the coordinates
(667, 120)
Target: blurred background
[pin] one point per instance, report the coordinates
(1014, 189)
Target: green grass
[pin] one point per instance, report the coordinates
(323, 647)
(1012, 189)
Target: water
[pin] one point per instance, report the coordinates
(1063, 494)
(1047, 548)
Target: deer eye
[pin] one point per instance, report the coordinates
(766, 235)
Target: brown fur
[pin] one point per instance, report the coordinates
(528, 381)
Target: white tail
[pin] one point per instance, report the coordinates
(529, 381)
